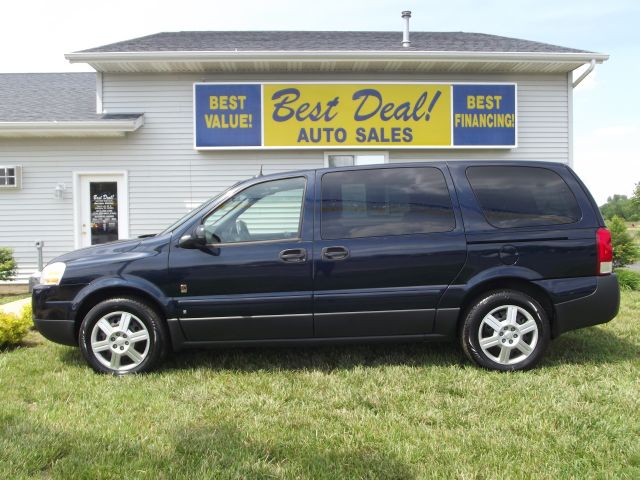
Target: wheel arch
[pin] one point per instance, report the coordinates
(113, 288)
(507, 283)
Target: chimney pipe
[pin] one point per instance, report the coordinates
(405, 34)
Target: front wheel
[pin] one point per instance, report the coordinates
(123, 335)
(505, 330)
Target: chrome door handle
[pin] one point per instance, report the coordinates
(293, 255)
(335, 253)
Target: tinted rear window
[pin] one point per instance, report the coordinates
(523, 196)
(386, 201)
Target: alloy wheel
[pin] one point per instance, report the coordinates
(120, 341)
(508, 334)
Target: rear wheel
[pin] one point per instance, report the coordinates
(505, 330)
(123, 335)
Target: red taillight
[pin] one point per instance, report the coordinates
(605, 251)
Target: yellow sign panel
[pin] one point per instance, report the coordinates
(339, 115)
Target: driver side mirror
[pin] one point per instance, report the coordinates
(196, 239)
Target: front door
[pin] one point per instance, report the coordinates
(103, 209)
(253, 279)
(388, 243)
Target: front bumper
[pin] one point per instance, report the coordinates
(58, 331)
(53, 314)
(598, 307)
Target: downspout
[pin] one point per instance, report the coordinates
(570, 88)
(585, 74)
(99, 109)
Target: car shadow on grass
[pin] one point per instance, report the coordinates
(585, 347)
(590, 346)
(318, 358)
(308, 358)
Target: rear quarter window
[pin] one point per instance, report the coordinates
(523, 196)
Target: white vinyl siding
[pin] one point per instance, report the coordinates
(167, 177)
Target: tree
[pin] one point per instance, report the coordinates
(625, 250)
(635, 199)
(621, 206)
(7, 264)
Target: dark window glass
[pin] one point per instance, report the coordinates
(104, 212)
(523, 196)
(386, 201)
(8, 177)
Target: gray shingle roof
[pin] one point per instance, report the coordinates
(42, 97)
(28, 97)
(327, 41)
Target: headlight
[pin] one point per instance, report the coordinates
(52, 273)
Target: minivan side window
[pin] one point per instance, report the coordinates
(385, 201)
(523, 196)
(266, 211)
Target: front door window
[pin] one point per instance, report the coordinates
(265, 211)
(103, 199)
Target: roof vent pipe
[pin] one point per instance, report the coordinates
(405, 34)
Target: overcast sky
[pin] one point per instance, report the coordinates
(35, 34)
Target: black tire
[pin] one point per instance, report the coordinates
(513, 341)
(135, 353)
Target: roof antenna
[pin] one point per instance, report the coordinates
(406, 15)
(260, 174)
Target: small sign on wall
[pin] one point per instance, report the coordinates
(359, 115)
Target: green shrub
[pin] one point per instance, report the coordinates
(7, 264)
(625, 250)
(13, 328)
(27, 315)
(628, 279)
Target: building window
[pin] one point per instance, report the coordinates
(349, 159)
(10, 176)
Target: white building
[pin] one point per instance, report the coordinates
(88, 157)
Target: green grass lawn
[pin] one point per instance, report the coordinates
(11, 298)
(401, 411)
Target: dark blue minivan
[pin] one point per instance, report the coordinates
(502, 255)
